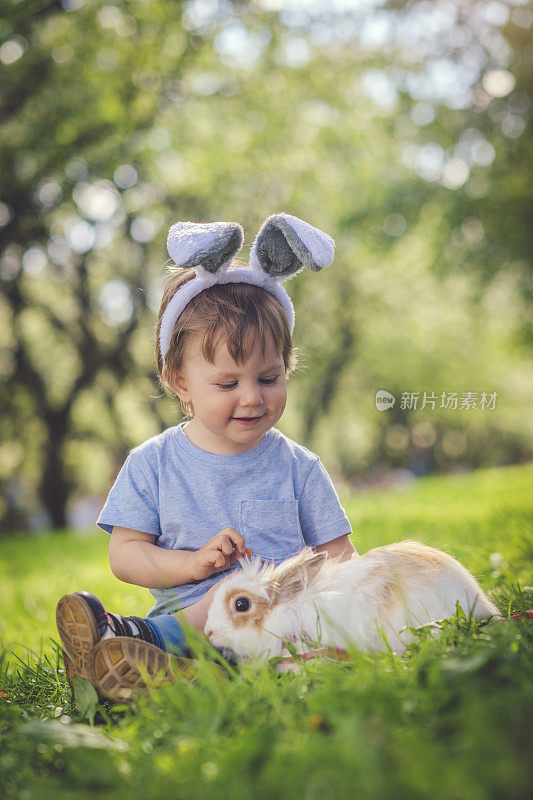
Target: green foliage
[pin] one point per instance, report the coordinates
(85, 697)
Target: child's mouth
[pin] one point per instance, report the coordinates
(246, 421)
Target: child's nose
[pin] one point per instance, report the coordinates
(252, 395)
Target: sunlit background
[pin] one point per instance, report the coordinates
(400, 128)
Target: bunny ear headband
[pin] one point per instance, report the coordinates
(282, 248)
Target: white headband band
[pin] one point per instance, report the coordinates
(282, 248)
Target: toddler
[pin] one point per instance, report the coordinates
(226, 483)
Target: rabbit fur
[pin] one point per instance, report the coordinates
(365, 601)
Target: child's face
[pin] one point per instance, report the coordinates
(223, 392)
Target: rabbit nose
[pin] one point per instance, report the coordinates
(208, 633)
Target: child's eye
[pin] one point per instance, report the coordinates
(234, 384)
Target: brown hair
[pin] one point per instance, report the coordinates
(235, 313)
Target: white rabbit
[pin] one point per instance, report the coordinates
(365, 601)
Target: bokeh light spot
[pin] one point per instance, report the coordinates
(11, 51)
(116, 304)
(498, 82)
(125, 176)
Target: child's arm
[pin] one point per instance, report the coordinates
(196, 614)
(135, 558)
(341, 546)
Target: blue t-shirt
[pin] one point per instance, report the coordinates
(277, 495)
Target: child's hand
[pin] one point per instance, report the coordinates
(220, 552)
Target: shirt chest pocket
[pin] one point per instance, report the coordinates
(271, 528)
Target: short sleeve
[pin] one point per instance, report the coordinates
(133, 499)
(322, 518)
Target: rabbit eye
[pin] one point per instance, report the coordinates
(242, 604)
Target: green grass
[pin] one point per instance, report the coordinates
(451, 719)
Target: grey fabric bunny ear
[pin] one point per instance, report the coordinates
(286, 244)
(207, 246)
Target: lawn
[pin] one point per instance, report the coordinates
(451, 719)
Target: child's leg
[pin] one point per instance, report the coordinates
(105, 648)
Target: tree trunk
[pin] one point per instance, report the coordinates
(54, 487)
(324, 388)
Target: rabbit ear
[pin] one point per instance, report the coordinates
(292, 576)
(209, 245)
(286, 244)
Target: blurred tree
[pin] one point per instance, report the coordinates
(470, 102)
(369, 122)
(80, 83)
